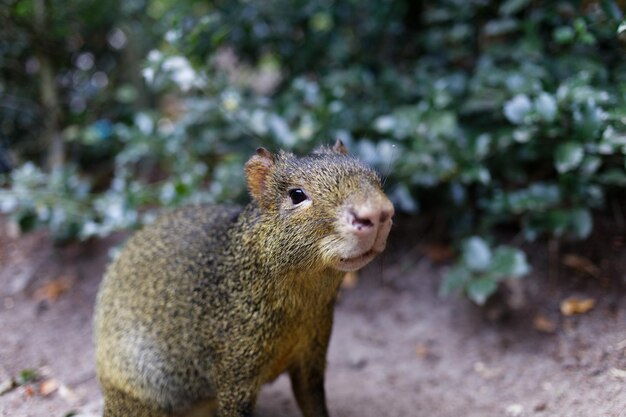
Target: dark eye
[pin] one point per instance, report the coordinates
(297, 196)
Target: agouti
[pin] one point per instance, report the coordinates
(210, 302)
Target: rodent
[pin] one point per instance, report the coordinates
(210, 302)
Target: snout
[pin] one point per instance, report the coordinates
(364, 227)
(371, 222)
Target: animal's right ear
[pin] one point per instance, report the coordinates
(339, 147)
(257, 170)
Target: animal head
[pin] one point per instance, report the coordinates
(328, 208)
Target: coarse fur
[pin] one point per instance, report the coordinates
(211, 302)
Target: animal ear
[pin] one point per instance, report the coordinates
(340, 148)
(257, 170)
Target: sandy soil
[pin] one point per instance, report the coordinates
(397, 350)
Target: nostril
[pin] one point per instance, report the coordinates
(360, 222)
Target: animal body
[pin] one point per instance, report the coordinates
(210, 302)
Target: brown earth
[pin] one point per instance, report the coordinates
(398, 350)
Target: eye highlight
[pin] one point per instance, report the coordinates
(297, 196)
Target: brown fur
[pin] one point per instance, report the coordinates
(211, 302)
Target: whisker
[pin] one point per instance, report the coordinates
(392, 160)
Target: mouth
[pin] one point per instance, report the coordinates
(356, 262)
(358, 258)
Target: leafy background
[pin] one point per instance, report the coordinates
(482, 113)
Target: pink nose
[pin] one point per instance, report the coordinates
(363, 219)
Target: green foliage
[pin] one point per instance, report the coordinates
(481, 268)
(82, 43)
(484, 112)
(56, 200)
(27, 376)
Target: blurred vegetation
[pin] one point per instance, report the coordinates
(484, 112)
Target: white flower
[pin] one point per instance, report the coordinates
(154, 56)
(181, 72)
(230, 100)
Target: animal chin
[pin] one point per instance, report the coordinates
(356, 262)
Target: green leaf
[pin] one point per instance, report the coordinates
(612, 9)
(27, 376)
(126, 93)
(476, 254)
(545, 106)
(588, 120)
(510, 7)
(554, 222)
(557, 222)
(614, 177)
(581, 223)
(322, 22)
(27, 220)
(8, 201)
(509, 262)
(590, 165)
(454, 280)
(564, 34)
(479, 290)
(481, 145)
(517, 109)
(568, 156)
(182, 189)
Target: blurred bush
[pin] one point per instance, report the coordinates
(484, 112)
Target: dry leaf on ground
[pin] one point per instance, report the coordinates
(574, 305)
(422, 351)
(438, 254)
(52, 290)
(582, 264)
(544, 323)
(28, 390)
(48, 386)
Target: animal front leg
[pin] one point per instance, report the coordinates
(307, 373)
(307, 382)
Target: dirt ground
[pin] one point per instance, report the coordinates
(398, 350)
